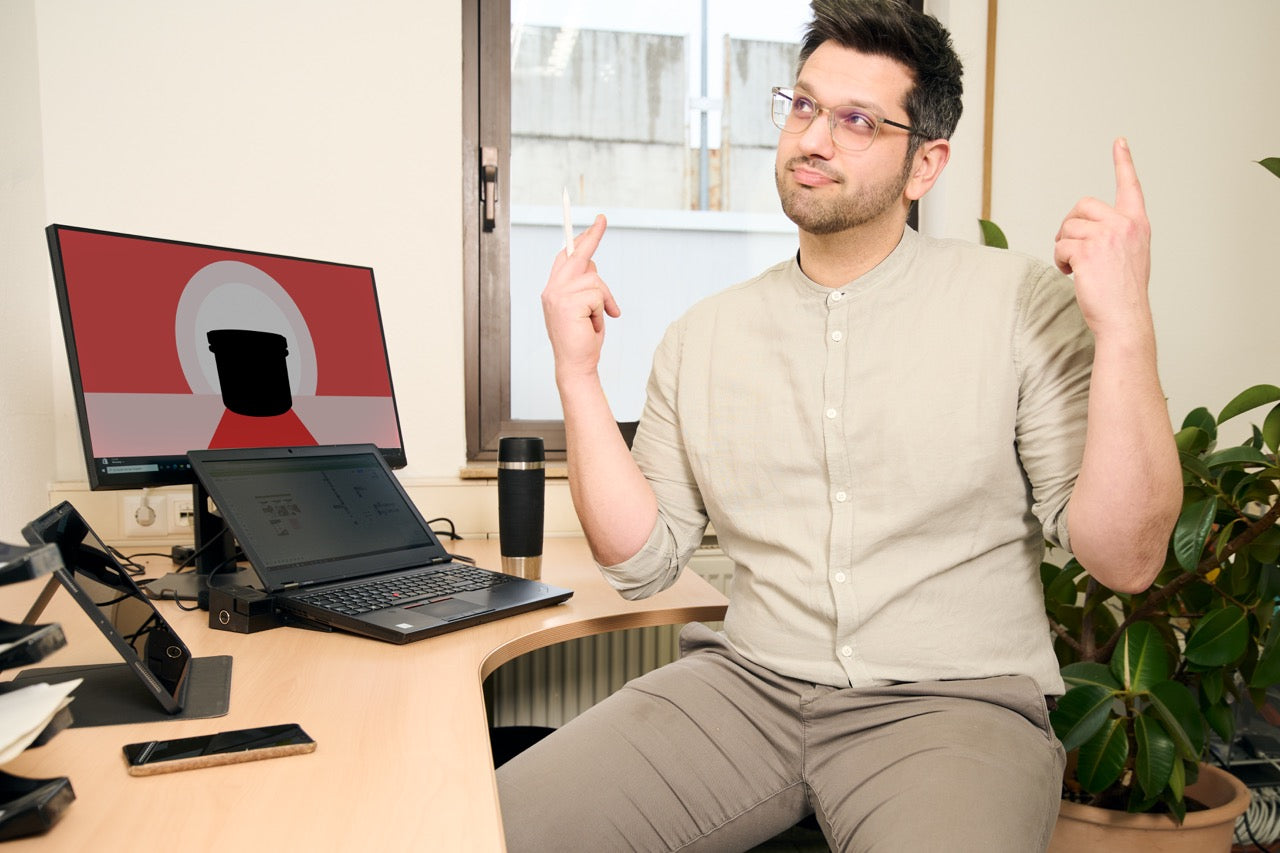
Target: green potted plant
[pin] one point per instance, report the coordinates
(1151, 675)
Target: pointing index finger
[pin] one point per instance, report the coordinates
(586, 243)
(1129, 198)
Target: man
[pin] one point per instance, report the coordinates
(883, 431)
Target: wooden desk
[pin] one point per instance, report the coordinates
(403, 760)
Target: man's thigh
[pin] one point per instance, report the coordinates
(700, 754)
(956, 766)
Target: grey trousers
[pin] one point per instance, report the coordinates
(712, 753)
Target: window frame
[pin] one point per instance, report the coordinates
(486, 135)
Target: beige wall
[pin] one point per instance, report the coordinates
(331, 129)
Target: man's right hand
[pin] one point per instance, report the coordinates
(614, 502)
(574, 304)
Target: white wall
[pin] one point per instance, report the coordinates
(1192, 86)
(26, 401)
(320, 129)
(331, 129)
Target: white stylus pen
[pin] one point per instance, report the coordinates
(568, 226)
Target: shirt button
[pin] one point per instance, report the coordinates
(847, 651)
(841, 497)
(837, 336)
(831, 413)
(840, 577)
(837, 296)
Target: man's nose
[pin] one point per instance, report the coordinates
(816, 138)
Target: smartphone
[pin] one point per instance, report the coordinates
(188, 753)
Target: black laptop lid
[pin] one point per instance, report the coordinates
(309, 515)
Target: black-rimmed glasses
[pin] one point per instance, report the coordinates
(853, 128)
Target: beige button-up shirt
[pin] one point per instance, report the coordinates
(882, 461)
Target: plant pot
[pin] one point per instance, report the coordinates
(1089, 829)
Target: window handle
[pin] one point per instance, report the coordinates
(489, 186)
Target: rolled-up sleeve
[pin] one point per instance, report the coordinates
(659, 451)
(1054, 352)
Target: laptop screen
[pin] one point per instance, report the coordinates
(307, 515)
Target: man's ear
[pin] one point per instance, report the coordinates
(927, 165)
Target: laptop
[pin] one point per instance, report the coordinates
(158, 678)
(335, 539)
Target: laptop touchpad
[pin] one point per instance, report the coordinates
(450, 609)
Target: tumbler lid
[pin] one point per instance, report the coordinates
(520, 449)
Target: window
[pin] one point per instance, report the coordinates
(656, 115)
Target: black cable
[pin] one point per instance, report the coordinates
(453, 531)
(127, 562)
(191, 558)
(230, 561)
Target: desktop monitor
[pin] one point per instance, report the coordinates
(177, 346)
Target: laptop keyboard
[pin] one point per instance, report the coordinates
(430, 584)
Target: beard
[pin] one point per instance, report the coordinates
(817, 216)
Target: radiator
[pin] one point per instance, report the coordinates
(550, 686)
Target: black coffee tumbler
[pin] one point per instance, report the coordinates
(521, 485)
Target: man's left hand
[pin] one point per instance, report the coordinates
(1108, 249)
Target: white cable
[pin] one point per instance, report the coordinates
(1263, 817)
(145, 514)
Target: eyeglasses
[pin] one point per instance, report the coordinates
(852, 128)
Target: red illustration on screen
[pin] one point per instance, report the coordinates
(183, 347)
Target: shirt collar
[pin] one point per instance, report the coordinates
(891, 266)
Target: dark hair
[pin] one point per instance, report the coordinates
(892, 29)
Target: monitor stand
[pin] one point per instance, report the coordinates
(215, 559)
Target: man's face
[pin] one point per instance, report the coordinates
(825, 189)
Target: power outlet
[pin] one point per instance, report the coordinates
(181, 514)
(141, 522)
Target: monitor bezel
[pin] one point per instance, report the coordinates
(173, 470)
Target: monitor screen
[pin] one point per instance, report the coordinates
(177, 346)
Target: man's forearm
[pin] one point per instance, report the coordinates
(1129, 490)
(614, 502)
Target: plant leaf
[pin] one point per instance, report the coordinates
(1191, 531)
(1062, 587)
(1271, 164)
(1201, 418)
(1211, 686)
(1266, 548)
(1080, 714)
(1222, 719)
(1195, 466)
(1178, 783)
(1267, 671)
(992, 235)
(1271, 430)
(1139, 661)
(1089, 672)
(1219, 637)
(1250, 398)
(1232, 455)
(1180, 713)
(1156, 754)
(1101, 759)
